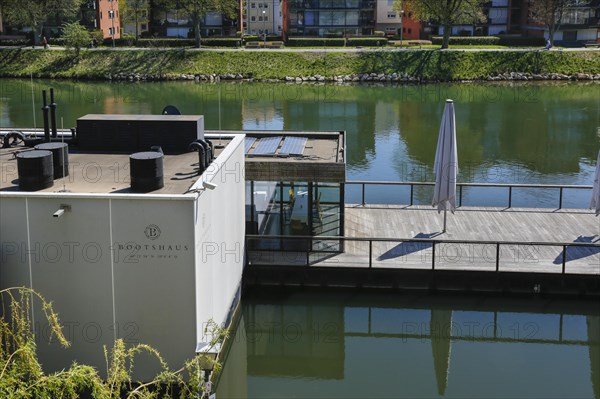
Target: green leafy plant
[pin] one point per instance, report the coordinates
(22, 376)
(76, 37)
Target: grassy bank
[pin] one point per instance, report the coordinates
(424, 64)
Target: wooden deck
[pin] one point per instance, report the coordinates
(520, 225)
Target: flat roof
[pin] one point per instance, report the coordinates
(103, 173)
(142, 117)
(323, 158)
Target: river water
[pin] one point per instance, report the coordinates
(349, 345)
(507, 132)
(369, 345)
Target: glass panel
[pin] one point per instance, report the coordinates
(352, 18)
(311, 18)
(326, 210)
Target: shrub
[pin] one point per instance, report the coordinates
(522, 41)
(98, 35)
(367, 41)
(15, 42)
(76, 36)
(164, 42)
(469, 40)
(314, 41)
(250, 38)
(57, 41)
(379, 33)
(222, 42)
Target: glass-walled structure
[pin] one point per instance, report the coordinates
(294, 209)
(330, 18)
(294, 194)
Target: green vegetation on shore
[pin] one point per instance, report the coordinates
(423, 64)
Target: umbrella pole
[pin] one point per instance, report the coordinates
(445, 212)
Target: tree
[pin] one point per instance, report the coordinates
(134, 11)
(447, 13)
(76, 36)
(549, 13)
(33, 13)
(197, 9)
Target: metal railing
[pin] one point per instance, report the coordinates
(303, 257)
(460, 186)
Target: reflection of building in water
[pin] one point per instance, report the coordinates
(593, 330)
(289, 345)
(355, 117)
(295, 340)
(261, 115)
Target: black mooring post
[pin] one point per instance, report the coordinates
(45, 110)
(53, 114)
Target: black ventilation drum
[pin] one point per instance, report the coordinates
(146, 170)
(60, 155)
(35, 170)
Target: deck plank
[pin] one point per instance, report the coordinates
(523, 225)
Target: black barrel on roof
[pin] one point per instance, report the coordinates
(146, 170)
(35, 170)
(60, 157)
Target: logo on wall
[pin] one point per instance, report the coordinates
(152, 232)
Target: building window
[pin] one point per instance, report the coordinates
(260, 5)
(144, 26)
(100, 14)
(266, 18)
(260, 18)
(266, 5)
(409, 30)
(391, 15)
(252, 5)
(253, 18)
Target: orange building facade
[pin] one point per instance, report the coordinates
(107, 18)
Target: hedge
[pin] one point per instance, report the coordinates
(522, 41)
(367, 41)
(314, 42)
(164, 42)
(222, 42)
(469, 40)
(15, 42)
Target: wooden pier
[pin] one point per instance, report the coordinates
(397, 246)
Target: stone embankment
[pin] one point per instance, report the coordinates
(357, 78)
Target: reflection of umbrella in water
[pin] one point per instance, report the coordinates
(578, 252)
(593, 330)
(441, 328)
(445, 166)
(595, 204)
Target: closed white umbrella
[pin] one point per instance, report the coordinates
(595, 204)
(445, 166)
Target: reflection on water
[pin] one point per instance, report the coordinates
(345, 345)
(506, 133)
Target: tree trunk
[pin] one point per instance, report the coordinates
(197, 36)
(551, 32)
(37, 33)
(446, 40)
(137, 33)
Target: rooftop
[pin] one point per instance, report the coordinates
(104, 173)
(320, 159)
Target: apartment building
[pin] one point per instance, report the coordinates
(107, 18)
(263, 17)
(177, 23)
(329, 18)
(391, 20)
